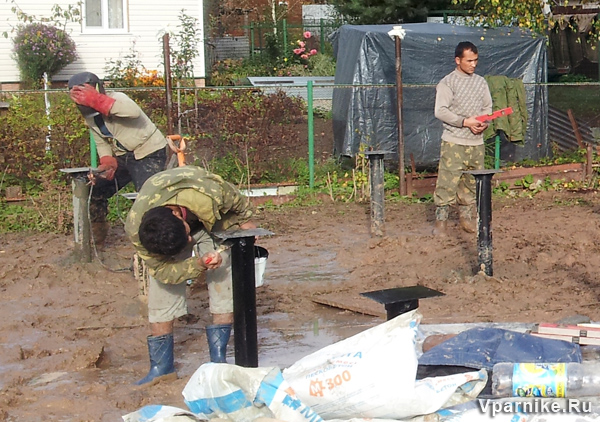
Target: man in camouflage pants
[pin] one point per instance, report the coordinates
(460, 97)
(173, 215)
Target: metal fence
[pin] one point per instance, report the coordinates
(272, 129)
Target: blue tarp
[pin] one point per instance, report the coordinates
(483, 347)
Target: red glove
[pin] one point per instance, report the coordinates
(86, 95)
(107, 168)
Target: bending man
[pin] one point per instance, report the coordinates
(129, 145)
(174, 214)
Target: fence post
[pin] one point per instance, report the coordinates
(251, 39)
(322, 34)
(311, 135)
(93, 151)
(285, 34)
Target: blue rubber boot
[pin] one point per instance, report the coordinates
(218, 337)
(162, 368)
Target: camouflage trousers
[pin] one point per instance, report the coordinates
(129, 170)
(453, 186)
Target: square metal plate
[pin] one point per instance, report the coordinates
(401, 294)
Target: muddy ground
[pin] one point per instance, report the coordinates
(72, 335)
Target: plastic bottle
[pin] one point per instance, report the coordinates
(546, 379)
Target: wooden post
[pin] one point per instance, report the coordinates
(400, 119)
(168, 83)
(589, 161)
(575, 129)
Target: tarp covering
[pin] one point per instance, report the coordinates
(366, 55)
(484, 347)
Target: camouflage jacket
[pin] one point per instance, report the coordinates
(218, 205)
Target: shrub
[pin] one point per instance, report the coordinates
(41, 48)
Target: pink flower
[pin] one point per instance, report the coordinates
(302, 44)
(304, 56)
(307, 35)
(298, 50)
(313, 52)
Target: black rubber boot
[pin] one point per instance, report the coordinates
(162, 366)
(218, 337)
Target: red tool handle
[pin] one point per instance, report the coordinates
(498, 113)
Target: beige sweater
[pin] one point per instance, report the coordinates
(129, 125)
(459, 96)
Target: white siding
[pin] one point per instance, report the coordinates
(148, 19)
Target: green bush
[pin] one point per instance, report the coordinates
(26, 143)
(40, 48)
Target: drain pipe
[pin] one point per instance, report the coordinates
(377, 192)
(483, 182)
(244, 294)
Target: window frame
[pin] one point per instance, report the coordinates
(104, 29)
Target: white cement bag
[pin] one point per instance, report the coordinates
(372, 375)
(220, 390)
(159, 413)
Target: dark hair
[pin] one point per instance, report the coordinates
(464, 46)
(162, 233)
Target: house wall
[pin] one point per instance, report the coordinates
(147, 22)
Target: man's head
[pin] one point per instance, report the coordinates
(466, 57)
(163, 231)
(90, 79)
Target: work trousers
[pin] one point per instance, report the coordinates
(167, 302)
(453, 185)
(129, 170)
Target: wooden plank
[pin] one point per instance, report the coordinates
(554, 337)
(569, 330)
(584, 341)
(349, 302)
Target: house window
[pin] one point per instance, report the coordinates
(102, 16)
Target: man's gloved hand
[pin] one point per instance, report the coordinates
(210, 260)
(86, 95)
(107, 168)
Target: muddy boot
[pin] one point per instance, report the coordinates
(162, 368)
(218, 337)
(441, 221)
(466, 220)
(99, 233)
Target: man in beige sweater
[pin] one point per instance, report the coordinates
(460, 97)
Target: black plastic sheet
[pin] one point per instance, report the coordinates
(367, 115)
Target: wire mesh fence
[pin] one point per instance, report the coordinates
(273, 133)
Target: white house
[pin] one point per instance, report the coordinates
(108, 31)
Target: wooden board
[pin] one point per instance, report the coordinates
(568, 330)
(584, 341)
(358, 304)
